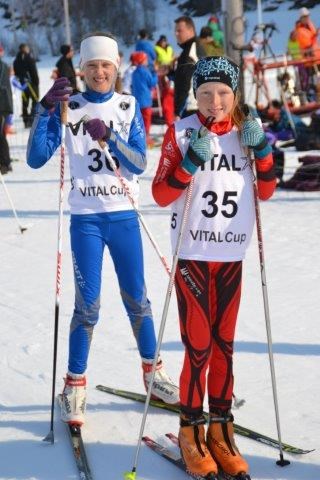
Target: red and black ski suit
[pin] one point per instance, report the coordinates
(208, 292)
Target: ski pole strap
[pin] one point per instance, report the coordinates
(261, 145)
(192, 421)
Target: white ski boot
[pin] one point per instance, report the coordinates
(163, 387)
(73, 404)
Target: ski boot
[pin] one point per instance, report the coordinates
(73, 399)
(163, 387)
(193, 448)
(221, 444)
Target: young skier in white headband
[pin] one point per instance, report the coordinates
(101, 214)
(99, 47)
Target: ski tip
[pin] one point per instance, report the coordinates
(130, 475)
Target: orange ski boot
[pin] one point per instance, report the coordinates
(194, 449)
(220, 441)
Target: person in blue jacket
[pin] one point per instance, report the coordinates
(142, 83)
(143, 44)
(101, 214)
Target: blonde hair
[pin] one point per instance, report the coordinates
(237, 115)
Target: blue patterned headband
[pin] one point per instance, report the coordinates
(216, 69)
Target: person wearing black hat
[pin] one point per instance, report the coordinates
(210, 149)
(65, 67)
(164, 51)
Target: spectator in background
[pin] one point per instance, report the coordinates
(165, 59)
(210, 46)
(294, 50)
(6, 108)
(216, 32)
(64, 66)
(9, 128)
(282, 125)
(164, 51)
(184, 100)
(306, 36)
(143, 81)
(144, 45)
(25, 70)
(306, 33)
(293, 47)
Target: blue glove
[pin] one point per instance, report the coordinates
(199, 151)
(253, 136)
(59, 92)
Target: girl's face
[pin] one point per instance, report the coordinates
(215, 99)
(100, 75)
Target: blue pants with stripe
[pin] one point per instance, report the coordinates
(120, 232)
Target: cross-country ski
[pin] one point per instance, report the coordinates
(239, 429)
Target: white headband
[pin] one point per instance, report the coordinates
(99, 48)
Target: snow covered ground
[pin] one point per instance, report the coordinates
(291, 226)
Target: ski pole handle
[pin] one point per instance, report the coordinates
(64, 112)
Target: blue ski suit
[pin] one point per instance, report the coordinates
(101, 214)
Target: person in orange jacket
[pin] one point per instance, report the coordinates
(306, 33)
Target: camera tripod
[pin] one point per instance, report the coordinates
(267, 30)
(265, 51)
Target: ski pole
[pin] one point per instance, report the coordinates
(22, 228)
(64, 112)
(132, 475)
(122, 181)
(288, 112)
(33, 93)
(282, 462)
